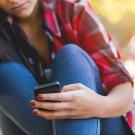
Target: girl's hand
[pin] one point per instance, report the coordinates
(76, 101)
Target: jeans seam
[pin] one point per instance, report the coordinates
(54, 127)
(98, 127)
(90, 60)
(94, 68)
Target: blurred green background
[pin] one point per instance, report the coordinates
(118, 17)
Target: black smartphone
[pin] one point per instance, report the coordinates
(53, 87)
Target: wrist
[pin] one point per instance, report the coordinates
(103, 107)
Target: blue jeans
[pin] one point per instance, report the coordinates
(71, 65)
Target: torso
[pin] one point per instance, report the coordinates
(39, 41)
(42, 47)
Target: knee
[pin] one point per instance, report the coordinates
(71, 49)
(74, 52)
(68, 52)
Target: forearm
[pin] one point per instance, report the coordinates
(79, 102)
(117, 102)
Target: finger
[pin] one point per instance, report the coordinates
(73, 87)
(63, 96)
(53, 105)
(51, 115)
(81, 117)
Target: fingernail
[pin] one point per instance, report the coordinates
(39, 97)
(32, 103)
(34, 112)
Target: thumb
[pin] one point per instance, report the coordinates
(72, 87)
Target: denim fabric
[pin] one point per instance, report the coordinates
(71, 65)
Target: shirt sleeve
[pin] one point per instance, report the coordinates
(96, 42)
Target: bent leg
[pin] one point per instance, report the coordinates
(73, 65)
(16, 90)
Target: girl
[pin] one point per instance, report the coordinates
(66, 37)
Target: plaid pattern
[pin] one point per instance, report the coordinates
(75, 21)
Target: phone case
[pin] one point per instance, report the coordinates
(53, 87)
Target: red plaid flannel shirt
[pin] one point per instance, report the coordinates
(74, 21)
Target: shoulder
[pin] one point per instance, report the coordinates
(68, 2)
(73, 6)
(69, 7)
(74, 2)
(71, 1)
